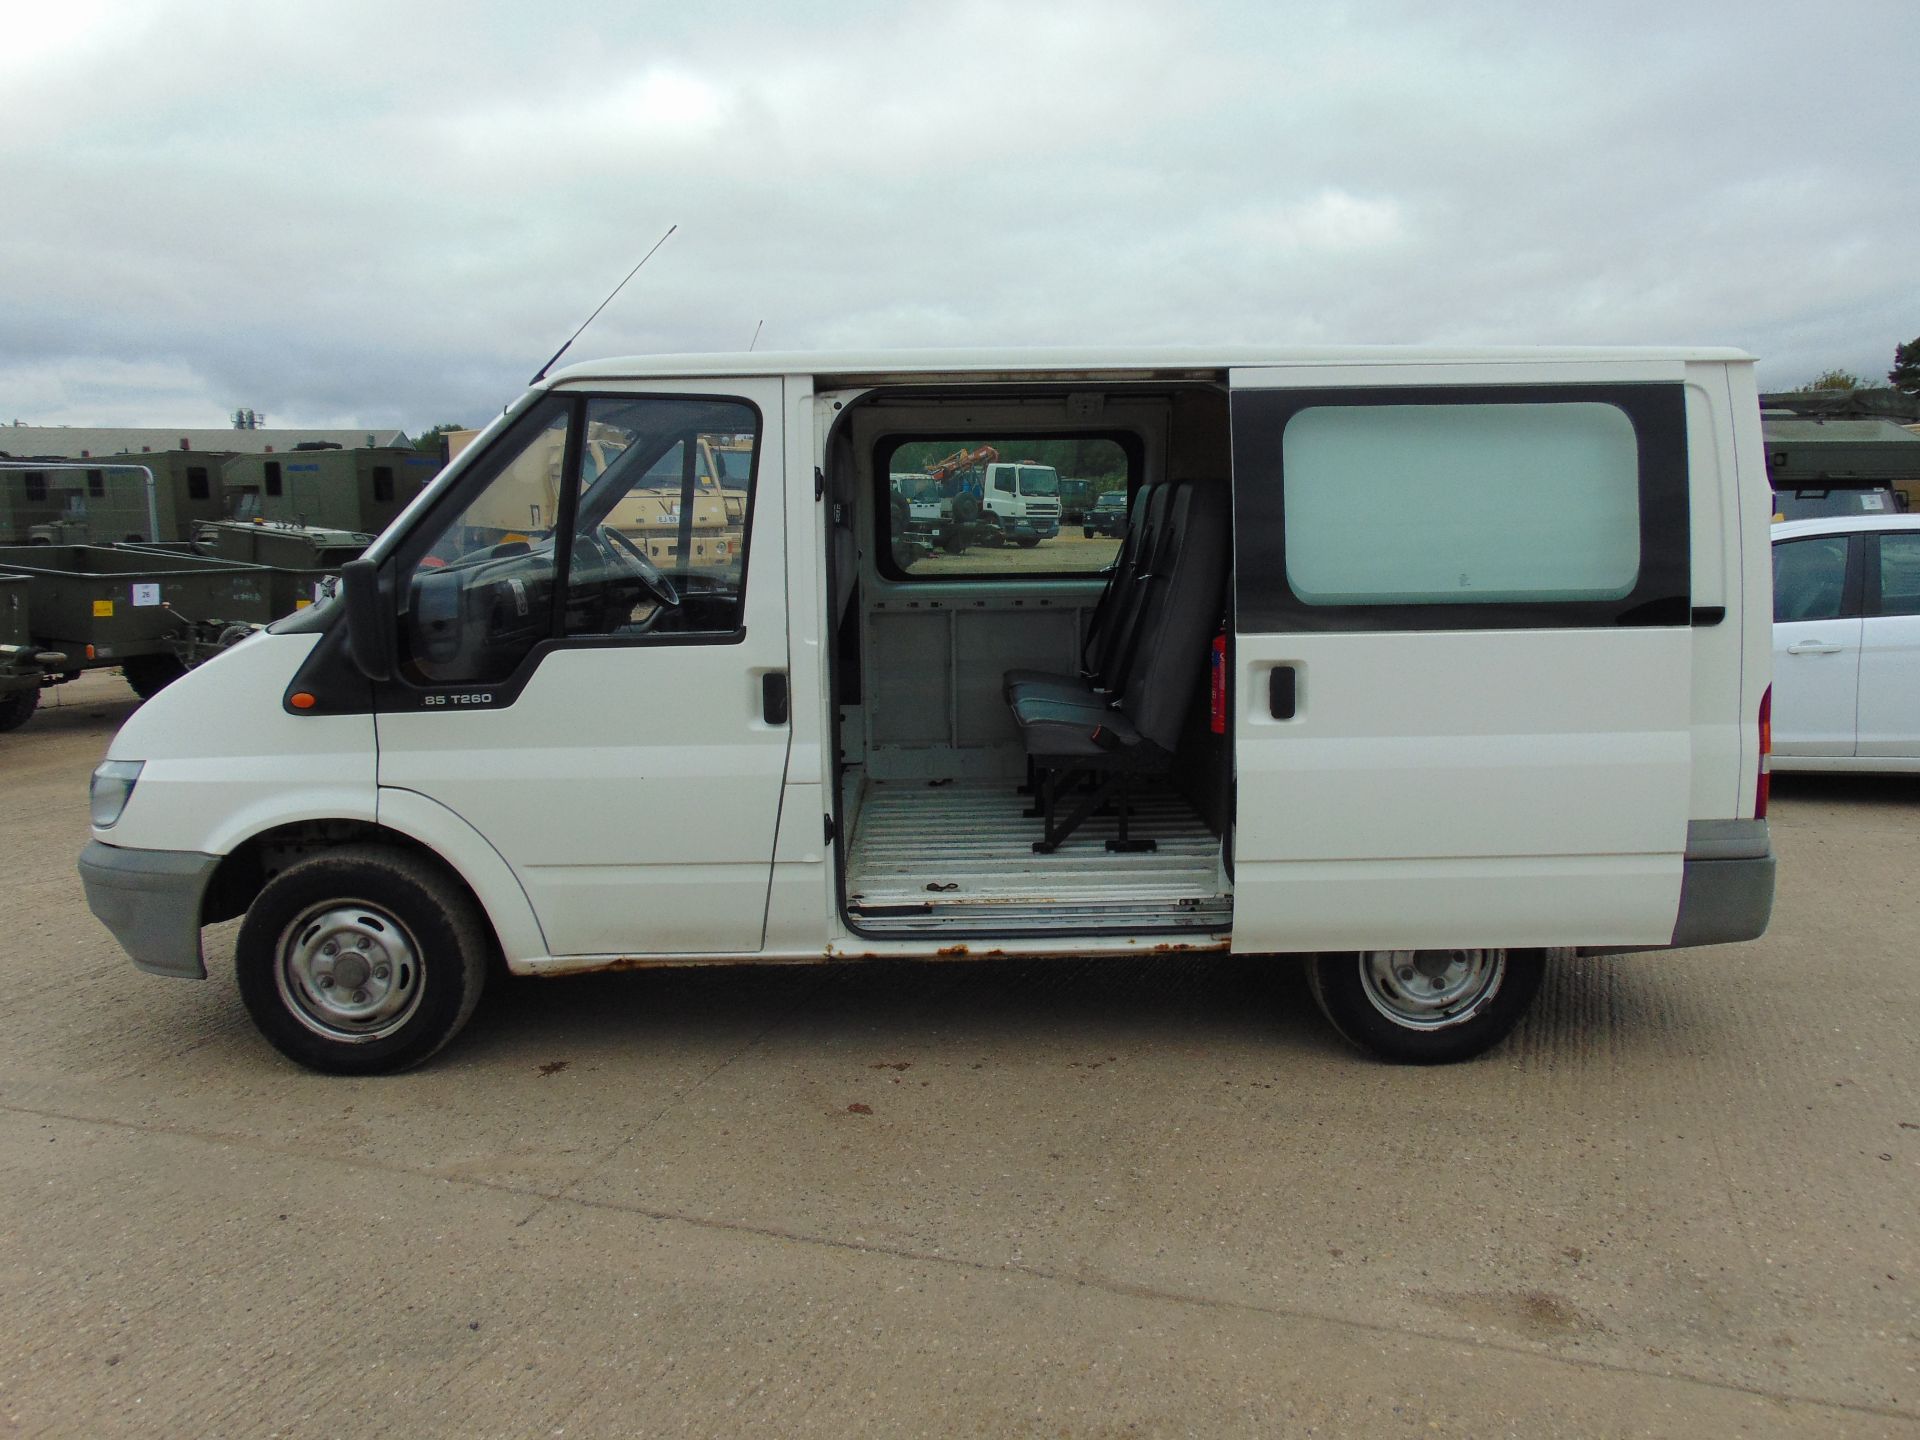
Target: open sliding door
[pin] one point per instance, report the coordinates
(1461, 655)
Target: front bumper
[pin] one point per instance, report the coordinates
(1020, 529)
(150, 900)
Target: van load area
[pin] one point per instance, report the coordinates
(1027, 742)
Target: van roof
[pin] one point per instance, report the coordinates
(1112, 364)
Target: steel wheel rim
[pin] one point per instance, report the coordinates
(1431, 989)
(349, 971)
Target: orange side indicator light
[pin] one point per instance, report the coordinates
(301, 700)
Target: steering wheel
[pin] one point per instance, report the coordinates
(650, 575)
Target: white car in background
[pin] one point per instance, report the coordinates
(1846, 643)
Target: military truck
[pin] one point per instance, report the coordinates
(1815, 463)
(326, 486)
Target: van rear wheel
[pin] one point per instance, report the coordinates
(1425, 1007)
(362, 960)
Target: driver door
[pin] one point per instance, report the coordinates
(593, 655)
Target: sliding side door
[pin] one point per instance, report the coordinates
(1461, 656)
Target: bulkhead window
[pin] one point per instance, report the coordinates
(974, 506)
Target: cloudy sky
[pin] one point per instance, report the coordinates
(390, 213)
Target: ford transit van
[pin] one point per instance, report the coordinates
(1416, 668)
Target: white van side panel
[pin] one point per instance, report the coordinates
(225, 761)
(1467, 787)
(1402, 808)
(634, 789)
(487, 874)
(1752, 521)
(1721, 725)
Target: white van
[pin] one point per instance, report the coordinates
(1416, 667)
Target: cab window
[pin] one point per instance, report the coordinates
(594, 520)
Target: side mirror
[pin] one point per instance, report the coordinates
(369, 620)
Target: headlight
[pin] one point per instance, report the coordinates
(112, 787)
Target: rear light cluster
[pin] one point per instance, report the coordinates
(1766, 756)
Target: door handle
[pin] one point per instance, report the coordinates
(1814, 647)
(1282, 692)
(773, 697)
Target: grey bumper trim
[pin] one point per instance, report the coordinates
(1724, 901)
(1726, 887)
(1728, 840)
(150, 900)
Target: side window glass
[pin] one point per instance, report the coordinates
(1809, 578)
(1440, 504)
(1899, 574)
(988, 506)
(659, 539)
(481, 596)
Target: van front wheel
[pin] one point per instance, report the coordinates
(1425, 1007)
(361, 960)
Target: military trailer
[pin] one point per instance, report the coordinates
(151, 612)
(24, 666)
(328, 487)
(301, 559)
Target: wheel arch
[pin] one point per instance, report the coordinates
(409, 824)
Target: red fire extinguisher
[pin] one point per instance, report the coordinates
(1217, 687)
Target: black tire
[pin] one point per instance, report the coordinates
(150, 674)
(409, 939)
(17, 707)
(1425, 1007)
(1027, 542)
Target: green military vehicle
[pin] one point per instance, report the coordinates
(328, 487)
(24, 666)
(151, 612)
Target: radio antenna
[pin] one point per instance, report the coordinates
(542, 373)
(756, 336)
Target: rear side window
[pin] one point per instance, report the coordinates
(1435, 504)
(1810, 578)
(1461, 508)
(198, 487)
(1899, 575)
